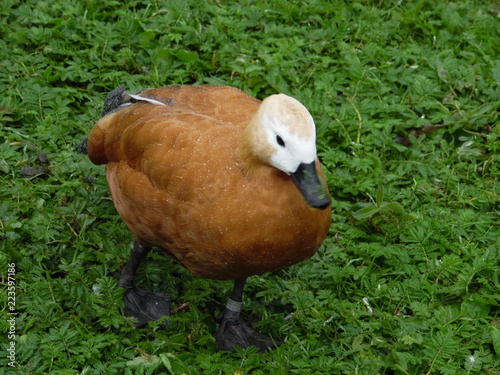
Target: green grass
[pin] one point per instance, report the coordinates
(408, 280)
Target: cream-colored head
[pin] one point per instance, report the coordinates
(282, 133)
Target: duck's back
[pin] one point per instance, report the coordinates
(186, 109)
(174, 174)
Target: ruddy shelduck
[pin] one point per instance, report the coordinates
(226, 185)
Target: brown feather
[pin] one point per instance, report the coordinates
(182, 179)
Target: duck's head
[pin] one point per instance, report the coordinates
(282, 134)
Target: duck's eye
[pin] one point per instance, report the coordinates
(280, 141)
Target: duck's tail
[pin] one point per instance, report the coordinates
(120, 98)
(114, 100)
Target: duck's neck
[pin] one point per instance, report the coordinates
(254, 149)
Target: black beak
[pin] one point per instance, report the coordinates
(309, 184)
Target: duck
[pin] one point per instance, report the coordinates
(225, 184)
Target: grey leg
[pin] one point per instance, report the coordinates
(144, 305)
(233, 330)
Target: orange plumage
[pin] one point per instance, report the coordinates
(183, 178)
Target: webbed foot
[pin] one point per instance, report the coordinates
(146, 306)
(233, 331)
